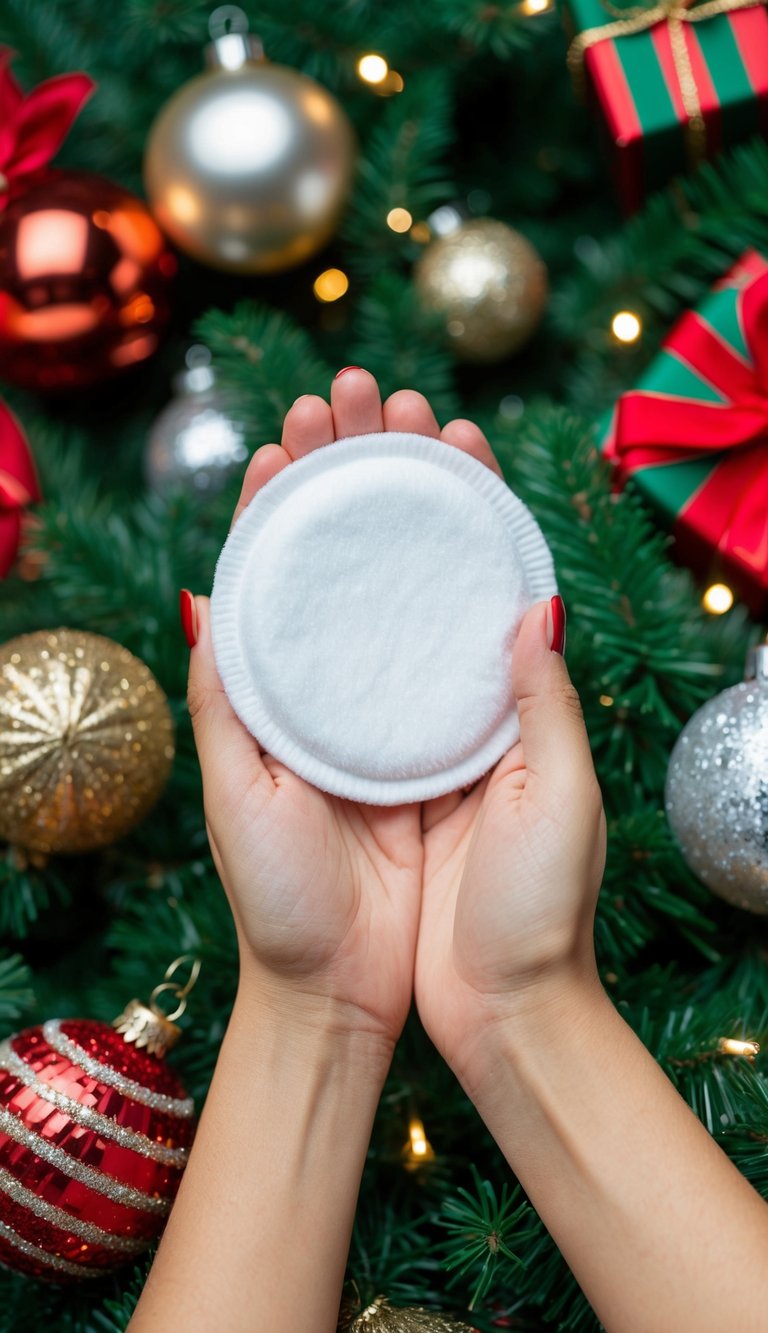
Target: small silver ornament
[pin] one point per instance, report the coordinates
(717, 789)
(196, 442)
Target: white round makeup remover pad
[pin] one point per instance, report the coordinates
(364, 610)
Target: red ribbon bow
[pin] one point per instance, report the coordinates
(730, 508)
(32, 128)
(18, 486)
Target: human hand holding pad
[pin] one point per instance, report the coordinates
(364, 610)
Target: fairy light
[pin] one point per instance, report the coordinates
(606, 700)
(731, 1046)
(626, 326)
(421, 233)
(372, 68)
(717, 599)
(331, 284)
(418, 1149)
(535, 6)
(399, 219)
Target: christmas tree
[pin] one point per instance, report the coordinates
(461, 112)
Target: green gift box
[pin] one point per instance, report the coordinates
(675, 82)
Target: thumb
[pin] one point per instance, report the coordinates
(224, 745)
(552, 731)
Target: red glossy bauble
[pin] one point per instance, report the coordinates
(84, 282)
(93, 1141)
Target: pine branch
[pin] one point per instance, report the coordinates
(480, 1228)
(262, 358)
(16, 992)
(663, 262)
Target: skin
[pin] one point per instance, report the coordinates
(482, 905)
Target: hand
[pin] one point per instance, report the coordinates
(325, 892)
(513, 869)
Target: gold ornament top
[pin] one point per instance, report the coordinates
(86, 740)
(381, 1317)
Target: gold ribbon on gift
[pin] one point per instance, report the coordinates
(627, 22)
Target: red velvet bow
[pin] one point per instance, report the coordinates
(32, 128)
(731, 507)
(18, 486)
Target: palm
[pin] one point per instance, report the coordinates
(335, 888)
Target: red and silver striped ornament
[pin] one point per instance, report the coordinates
(94, 1137)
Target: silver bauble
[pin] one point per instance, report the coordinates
(248, 166)
(717, 790)
(196, 442)
(488, 284)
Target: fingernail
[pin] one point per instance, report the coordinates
(188, 613)
(344, 370)
(556, 624)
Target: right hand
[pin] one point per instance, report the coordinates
(513, 869)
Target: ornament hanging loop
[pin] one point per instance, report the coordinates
(180, 992)
(145, 1024)
(232, 45)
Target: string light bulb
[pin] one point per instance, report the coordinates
(330, 285)
(535, 6)
(606, 700)
(418, 1149)
(626, 326)
(717, 599)
(732, 1046)
(399, 219)
(372, 68)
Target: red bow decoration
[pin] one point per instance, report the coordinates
(32, 128)
(18, 486)
(730, 508)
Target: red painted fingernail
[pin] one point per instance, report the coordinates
(344, 370)
(556, 619)
(188, 613)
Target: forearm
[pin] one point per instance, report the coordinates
(259, 1235)
(657, 1225)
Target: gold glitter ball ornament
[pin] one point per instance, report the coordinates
(381, 1317)
(249, 165)
(489, 286)
(86, 741)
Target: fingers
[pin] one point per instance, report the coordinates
(554, 738)
(265, 464)
(308, 425)
(469, 437)
(356, 403)
(409, 411)
(225, 749)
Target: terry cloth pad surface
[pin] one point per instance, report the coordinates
(364, 610)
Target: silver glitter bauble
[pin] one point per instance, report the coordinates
(196, 443)
(248, 166)
(488, 284)
(717, 790)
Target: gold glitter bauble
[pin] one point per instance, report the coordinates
(249, 165)
(381, 1317)
(488, 284)
(86, 741)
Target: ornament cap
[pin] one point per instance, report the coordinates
(232, 45)
(146, 1027)
(198, 376)
(145, 1024)
(757, 663)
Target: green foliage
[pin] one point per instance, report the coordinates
(480, 1226)
(16, 993)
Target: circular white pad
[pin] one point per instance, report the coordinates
(364, 610)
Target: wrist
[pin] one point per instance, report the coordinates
(531, 1024)
(310, 1026)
